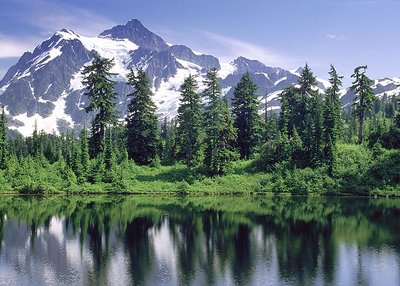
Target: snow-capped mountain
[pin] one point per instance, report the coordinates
(381, 87)
(45, 85)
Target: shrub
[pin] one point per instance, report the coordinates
(385, 170)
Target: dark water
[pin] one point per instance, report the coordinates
(129, 240)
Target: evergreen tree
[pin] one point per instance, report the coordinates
(3, 141)
(307, 118)
(97, 170)
(300, 103)
(100, 91)
(229, 132)
(272, 127)
(390, 108)
(332, 107)
(164, 129)
(332, 118)
(307, 81)
(69, 146)
(296, 105)
(395, 102)
(364, 99)
(266, 118)
(36, 147)
(189, 131)
(301, 110)
(85, 158)
(377, 106)
(278, 150)
(109, 159)
(169, 152)
(213, 124)
(296, 149)
(397, 121)
(217, 118)
(123, 156)
(76, 165)
(285, 116)
(142, 126)
(247, 120)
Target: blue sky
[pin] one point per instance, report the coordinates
(279, 33)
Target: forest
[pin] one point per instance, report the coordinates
(215, 145)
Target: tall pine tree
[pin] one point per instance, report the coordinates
(100, 91)
(314, 131)
(301, 110)
(142, 126)
(364, 99)
(189, 131)
(218, 126)
(332, 119)
(247, 120)
(3, 141)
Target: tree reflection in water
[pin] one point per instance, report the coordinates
(139, 240)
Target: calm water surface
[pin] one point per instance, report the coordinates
(144, 240)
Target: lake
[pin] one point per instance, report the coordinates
(155, 240)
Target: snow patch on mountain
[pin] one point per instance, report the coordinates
(48, 124)
(41, 60)
(3, 89)
(50, 85)
(188, 65)
(273, 95)
(117, 49)
(25, 73)
(325, 83)
(167, 96)
(387, 81)
(280, 80)
(76, 81)
(226, 69)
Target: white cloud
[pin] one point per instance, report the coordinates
(335, 37)
(16, 46)
(50, 16)
(233, 48)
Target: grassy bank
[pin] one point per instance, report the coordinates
(358, 171)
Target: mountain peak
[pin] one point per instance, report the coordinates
(247, 61)
(297, 71)
(67, 34)
(135, 23)
(138, 34)
(246, 65)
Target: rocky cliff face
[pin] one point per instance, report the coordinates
(135, 32)
(45, 85)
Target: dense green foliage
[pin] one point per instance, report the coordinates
(309, 149)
